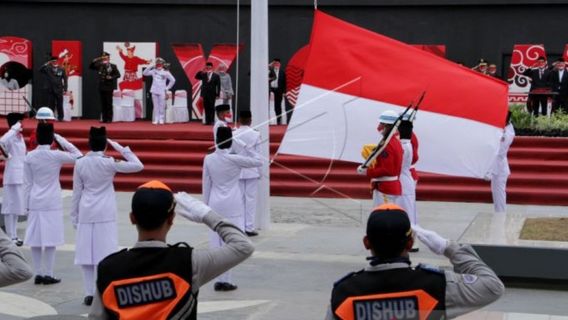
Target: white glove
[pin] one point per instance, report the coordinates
(17, 126)
(362, 171)
(116, 146)
(431, 239)
(488, 176)
(191, 208)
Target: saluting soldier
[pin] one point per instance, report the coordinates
(108, 73)
(249, 176)
(93, 210)
(162, 82)
(42, 199)
(54, 85)
(13, 180)
(385, 170)
(221, 189)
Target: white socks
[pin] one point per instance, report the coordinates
(89, 279)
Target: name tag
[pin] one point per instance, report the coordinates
(386, 309)
(145, 292)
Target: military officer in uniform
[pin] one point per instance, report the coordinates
(385, 170)
(93, 209)
(108, 73)
(221, 111)
(42, 199)
(250, 176)
(174, 272)
(162, 82)
(13, 179)
(391, 288)
(221, 189)
(54, 85)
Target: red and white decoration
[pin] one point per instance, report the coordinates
(70, 57)
(14, 52)
(459, 124)
(524, 56)
(192, 59)
(130, 58)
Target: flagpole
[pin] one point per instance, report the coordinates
(259, 102)
(236, 108)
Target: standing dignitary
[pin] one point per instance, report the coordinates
(153, 263)
(210, 90)
(221, 189)
(13, 266)
(559, 83)
(539, 76)
(42, 200)
(501, 171)
(108, 73)
(249, 176)
(222, 111)
(93, 210)
(54, 85)
(385, 170)
(227, 92)
(162, 82)
(277, 84)
(407, 292)
(13, 179)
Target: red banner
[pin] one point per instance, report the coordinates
(437, 49)
(524, 56)
(69, 54)
(15, 74)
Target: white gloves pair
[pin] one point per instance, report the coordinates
(431, 239)
(191, 208)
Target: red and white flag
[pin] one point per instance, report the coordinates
(352, 75)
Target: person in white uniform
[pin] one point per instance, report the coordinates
(13, 180)
(221, 189)
(221, 111)
(42, 199)
(250, 176)
(500, 172)
(93, 210)
(162, 82)
(407, 200)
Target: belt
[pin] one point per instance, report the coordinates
(385, 178)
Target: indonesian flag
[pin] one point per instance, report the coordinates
(352, 75)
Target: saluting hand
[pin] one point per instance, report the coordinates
(431, 239)
(191, 208)
(115, 145)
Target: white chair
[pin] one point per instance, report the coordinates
(126, 110)
(180, 113)
(67, 107)
(116, 102)
(169, 108)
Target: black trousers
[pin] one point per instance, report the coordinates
(535, 101)
(209, 106)
(55, 103)
(106, 105)
(277, 104)
(560, 103)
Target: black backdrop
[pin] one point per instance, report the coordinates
(470, 29)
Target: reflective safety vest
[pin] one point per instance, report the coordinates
(402, 294)
(148, 283)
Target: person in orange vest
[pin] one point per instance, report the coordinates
(391, 288)
(385, 170)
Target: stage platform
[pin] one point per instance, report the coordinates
(175, 152)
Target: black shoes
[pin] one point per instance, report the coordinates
(88, 300)
(251, 233)
(224, 286)
(414, 249)
(46, 280)
(18, 242)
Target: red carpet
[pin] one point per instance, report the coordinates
(174, 154)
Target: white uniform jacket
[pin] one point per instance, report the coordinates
(42, 190)
(94, 199)
(501, 166)
(251, 138)
(221, 173)
(162, 80)
(14, 143)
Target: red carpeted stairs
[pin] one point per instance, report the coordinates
(174, 154)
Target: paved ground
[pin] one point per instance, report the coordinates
(311, 243)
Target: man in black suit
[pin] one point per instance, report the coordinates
(559, 84)
(54, 85)
(277, 85)
(540, 82)
(107, 73)
(210, 90)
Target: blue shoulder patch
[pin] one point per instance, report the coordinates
(347, 276)
(430, 268)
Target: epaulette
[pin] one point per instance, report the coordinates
(430, 268)
(347, 276)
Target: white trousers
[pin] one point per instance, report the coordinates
(159, 101)
(250, 189)
(11, 222)
(408, 203)
(380, 198)
(216, 242)
(499, 192)
(89, 276)
(43, 261)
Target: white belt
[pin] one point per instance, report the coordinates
(386, 178)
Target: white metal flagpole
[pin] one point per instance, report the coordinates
(259, 102)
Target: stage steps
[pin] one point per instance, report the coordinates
(174, 154)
